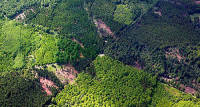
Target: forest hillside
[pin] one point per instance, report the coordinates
(115, 53)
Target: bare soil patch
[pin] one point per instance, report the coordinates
(174, 53)
(46, 85)
(197, 2)
(67, 74)
(20, 17)
(188, 89)
(101, 25)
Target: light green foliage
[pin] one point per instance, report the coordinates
(19, 45)
(166, 96)
(186, 104)
(71, 20)
(46, 49)
(54, 67)
(16, 40)
(111, 83)
(114, 84)
(107, 82)
(123, 14)
(14, 35)
(19, 61)
(23, 46)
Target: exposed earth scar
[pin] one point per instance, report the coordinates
(67, 74)
(46, 85)
(101, 25)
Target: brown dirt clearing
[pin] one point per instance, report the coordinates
(101, 25)
(67, 74)
(46, 85)
(174, 53)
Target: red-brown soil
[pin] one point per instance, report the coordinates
(101, 25)
(174, 53)
(67, 74)
(46, 85)
(197, 2)
(188, 89)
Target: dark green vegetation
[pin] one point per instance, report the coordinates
(70, 20)
(22, 48)
(164, 44)
(23, 88)
(115, 84)
(17, 91)
(145, 42)
(11, 8)
(119, 13)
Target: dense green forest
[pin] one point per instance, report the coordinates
(70, 20)
(115, 53)
(111, 83)
(11, 8)
(17, 91)
(166, 45)
(119, 13)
